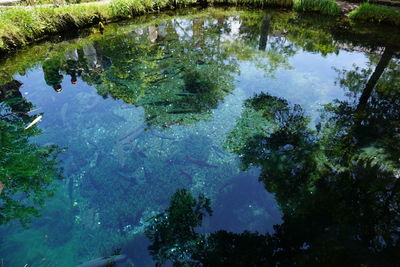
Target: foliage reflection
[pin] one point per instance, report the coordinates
(27, 171)
(337, 184)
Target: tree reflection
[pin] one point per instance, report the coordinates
(382, 64)
(174, 77)
(181, 69)
(264, 34)
(338, 186)
(27, 171)
(12, 100)
(52, 76)
(173, 232)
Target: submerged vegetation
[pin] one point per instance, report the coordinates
(376, 13)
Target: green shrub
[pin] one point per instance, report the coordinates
(376, 13)
(327, 7)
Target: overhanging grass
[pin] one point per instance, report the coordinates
(255, 3)
(20, 26)
(375, 13)
(130, 8)
(327, 7)
(28, 57)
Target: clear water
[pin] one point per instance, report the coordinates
(261, 112)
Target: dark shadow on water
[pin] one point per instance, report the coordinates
(337, 186)
(243, 204)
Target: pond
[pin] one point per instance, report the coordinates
(285, 126)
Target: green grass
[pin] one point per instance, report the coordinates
(326, 7)
(255, 3)
(21, 26)
(27, 57)
(375, 13)
(129, 8)
(46, 2)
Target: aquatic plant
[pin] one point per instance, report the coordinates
(376, 13)
(327, 7)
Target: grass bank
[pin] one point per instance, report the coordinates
(21, 26)
(253, 3)
(24, 25)
(376, 13)
(326, 7)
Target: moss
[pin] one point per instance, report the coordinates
(375, 13)
(327, 7)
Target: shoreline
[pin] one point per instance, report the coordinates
(22, 26)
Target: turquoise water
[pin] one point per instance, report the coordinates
(288, 125)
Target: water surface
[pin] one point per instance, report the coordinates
(287, 124)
